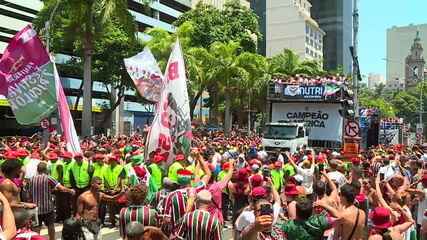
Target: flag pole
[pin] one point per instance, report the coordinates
(47, 27)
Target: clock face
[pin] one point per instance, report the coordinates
(415, 71)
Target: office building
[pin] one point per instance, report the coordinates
(399, 43)
(335, 17)
(395, 84)
(289, 25)
(16, 14)
(375, 79)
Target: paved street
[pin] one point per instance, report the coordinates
(113, 234)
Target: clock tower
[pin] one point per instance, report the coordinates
(414, 64)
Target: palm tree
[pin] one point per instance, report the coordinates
(256, 66)
(82, 23)
(229, 75)
(198, 62)
(288, 63)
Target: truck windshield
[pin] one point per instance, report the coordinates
(280, 132)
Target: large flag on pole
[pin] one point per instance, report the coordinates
(170, 132)
(27, 79)
(146, 74)
(67, 123)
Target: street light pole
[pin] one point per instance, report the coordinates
(355, 64)
(47, 24)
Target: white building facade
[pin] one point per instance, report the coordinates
(289, 25)
(375, 79)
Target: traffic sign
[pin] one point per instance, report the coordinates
(44, 123)
(352, 128)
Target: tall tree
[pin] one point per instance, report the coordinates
(234, 23)
(228, 73)
(81, 23)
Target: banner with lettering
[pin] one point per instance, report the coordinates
(27, 79)
(324, 120)
(304, 92)
(170, 132)
(146, 74)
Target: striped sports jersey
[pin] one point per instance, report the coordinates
(159, 199)
(199, 225)
(175, 204)
(41, 187)
(142, 214)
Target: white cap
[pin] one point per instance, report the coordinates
(299, 178)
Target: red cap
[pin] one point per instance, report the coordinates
(355, 161)
(226, 166)
(140, 171)
(10, 155)
(65, 154)
(380, 217)
(22, 153)
(291, 190)
(52, 156)
(179, 157)
(98, 156)
(258, 192)
(184, 172)
(78, 155)
(256, 180)
(159, 158)
(242, 175)
(254, 161)
(114, 157)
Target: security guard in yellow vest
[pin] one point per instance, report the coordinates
(64, 199)
(55, 170)
(80, 173)
(114, 176)
(99, 167)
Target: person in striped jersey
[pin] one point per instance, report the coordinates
(176, 203)
(200, 224)
(137, 211)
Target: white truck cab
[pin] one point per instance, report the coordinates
(284, 136)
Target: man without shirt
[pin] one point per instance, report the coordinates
(88, 208)
(350, 220)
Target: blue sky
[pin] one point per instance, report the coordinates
(375, 17)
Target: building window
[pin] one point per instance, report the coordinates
(307, 51)
(311, 42)
(307, 39)
(307, 29)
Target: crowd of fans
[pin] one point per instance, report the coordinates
(312, 81)
(224, 183)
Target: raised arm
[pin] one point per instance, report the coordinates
(206, 169)
(334, 193)
(9, 227)
(229, 175)
(379, 193)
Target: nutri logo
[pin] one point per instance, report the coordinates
(296, 91)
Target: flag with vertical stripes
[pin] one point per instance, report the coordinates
(67, 123)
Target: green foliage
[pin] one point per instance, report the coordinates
(234, 23)
(288, 63)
